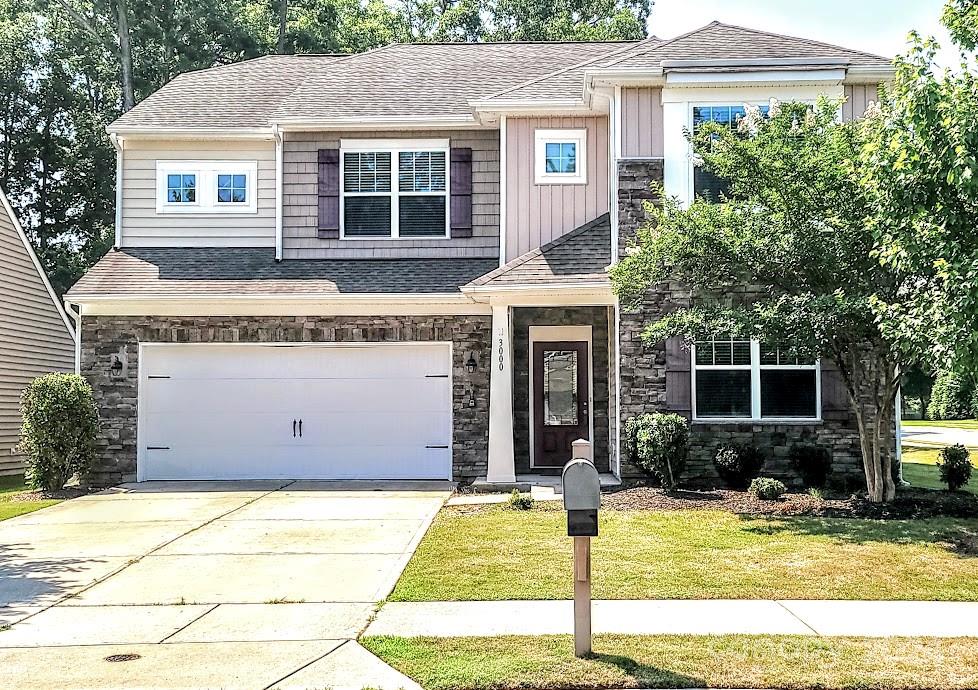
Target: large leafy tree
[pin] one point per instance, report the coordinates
(795, 227)
(562, 20)
(921, 168)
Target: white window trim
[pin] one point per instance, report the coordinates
(394, 147)
(543, 137)
(755, 367)
(207, 172)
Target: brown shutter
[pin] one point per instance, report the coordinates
(461, 187)
(679, 394)
(329, 194)
(835, 398)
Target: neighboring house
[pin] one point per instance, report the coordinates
(35, 335)
(393, 264)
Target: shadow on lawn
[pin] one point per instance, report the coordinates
(959, 537)
(649, 676)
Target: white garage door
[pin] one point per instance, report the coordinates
(379, 411)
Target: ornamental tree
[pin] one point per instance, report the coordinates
(795, 226)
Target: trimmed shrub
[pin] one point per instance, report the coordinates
(812, 462)
(659, 444)
(738, 464)
(767, 489)
(59, 430)
(954, 463)
(951, 397)
(518, 501)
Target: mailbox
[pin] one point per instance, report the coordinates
(582, 498)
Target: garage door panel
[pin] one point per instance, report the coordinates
(226, 411)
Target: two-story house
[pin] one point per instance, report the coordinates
(394, 264)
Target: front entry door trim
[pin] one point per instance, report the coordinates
(557, 334)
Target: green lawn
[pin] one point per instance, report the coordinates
(950, 423)
(920, 469)
(497, 553)
(671, 661)
(11, 485)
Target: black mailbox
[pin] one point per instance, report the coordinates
(582, 498)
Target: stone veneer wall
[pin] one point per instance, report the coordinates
(106, 338)
(643, 369)
(523, 318)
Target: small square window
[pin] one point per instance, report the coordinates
(232, 189)
(560, 156)
(181, 189)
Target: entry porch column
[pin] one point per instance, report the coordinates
(501, 465)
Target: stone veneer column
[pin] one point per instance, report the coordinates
(501, 465)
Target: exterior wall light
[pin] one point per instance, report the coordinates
(471, 365)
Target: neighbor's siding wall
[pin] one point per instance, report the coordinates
(300, 213)
(641, 122)
(538, 214)
(858, 97)
(142, 226)
(34, 339)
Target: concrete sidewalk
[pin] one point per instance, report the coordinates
(679, 617)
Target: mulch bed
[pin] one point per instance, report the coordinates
(909, 504)
(64, 494)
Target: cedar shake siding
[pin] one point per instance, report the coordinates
(300, 227)
(656, 378)
(34, 338)
(116, 395)
(537, 214)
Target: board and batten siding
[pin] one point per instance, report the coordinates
(142, 226)
(300, 208)
(34, 338)
(641, 122)
(540, 213)
(858, 98)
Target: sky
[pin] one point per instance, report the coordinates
(877, 26)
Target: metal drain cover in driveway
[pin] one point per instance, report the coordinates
(115, 658)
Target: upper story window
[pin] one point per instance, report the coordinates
(705, 183)
(746, 380)
(206, 186)
(560, 156)
(394, 189)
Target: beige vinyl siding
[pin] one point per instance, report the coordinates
(34, 339)
(537, 214)
(301, 202)
(858, 97)
(641, 122)
(142, 226)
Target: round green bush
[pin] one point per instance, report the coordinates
(738, 464)
(59, 430)
(951, 397)
(954, 464)
(767, 489)
(659, 444)
(812, 462)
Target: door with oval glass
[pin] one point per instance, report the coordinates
(561, 413)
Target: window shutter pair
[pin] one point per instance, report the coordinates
(460, 171)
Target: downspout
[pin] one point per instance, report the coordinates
(503, 145)
(76, 317)
(119, 144)
(279, 158)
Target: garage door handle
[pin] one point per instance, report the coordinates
(300, 428)
(293, 428)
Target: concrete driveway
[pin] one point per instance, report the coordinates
(209, 584)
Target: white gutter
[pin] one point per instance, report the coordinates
(441, 298)
(191, 132)
(119, 144)
(867, 74)
(377, 122)
(543, 288)
(279, 197)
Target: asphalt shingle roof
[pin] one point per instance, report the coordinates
(216, 272)
(580, 256)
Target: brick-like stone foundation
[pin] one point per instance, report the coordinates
(523, 318)
(643, 370)
(106, 339)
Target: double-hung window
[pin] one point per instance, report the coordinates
(750, 381)
(705, 183)
(394, 189)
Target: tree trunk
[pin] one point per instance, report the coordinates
(283, 20)
(125, 55)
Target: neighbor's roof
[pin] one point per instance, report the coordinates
(442, 80)
(579, 257)
(220, 272)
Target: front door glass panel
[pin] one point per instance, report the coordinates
(560, 406)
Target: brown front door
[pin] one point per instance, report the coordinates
(560, 400)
